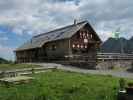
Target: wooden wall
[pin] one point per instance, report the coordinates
(57, 49)
(85, 42)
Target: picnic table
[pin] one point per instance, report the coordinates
(16, 80)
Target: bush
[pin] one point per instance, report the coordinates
(122, 84)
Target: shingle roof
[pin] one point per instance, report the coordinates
(58, 34)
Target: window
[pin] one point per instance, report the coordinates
(80, 35)
(81, 46)
(85, 40)
(53, 47)
(85, 46)
(78, 46)
(73, 46)
(84, 35)
(91, 36)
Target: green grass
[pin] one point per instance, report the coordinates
(116, 68)
(60, 85)
(16, 66)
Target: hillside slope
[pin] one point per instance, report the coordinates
(2, 60)
(114, 45)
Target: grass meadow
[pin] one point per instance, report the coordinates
(63, 85)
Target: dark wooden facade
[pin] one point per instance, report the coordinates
(81, 47)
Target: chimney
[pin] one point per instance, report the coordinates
(75, 21)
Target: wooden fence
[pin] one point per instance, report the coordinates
(114, 56)
(25, 71)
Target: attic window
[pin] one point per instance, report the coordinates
(87, 35)
(85, 40)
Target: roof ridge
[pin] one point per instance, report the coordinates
(59, 29)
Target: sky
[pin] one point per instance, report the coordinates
(22, 19)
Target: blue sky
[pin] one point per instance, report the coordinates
(22, 19)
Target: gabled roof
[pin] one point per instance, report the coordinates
(58, 34)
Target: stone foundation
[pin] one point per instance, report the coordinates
(105, 65)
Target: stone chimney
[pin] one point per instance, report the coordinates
(75, 21)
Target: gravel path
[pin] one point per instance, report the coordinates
(121, 74)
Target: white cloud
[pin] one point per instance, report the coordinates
(6, 52)
(3, 38)
(37, 16)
